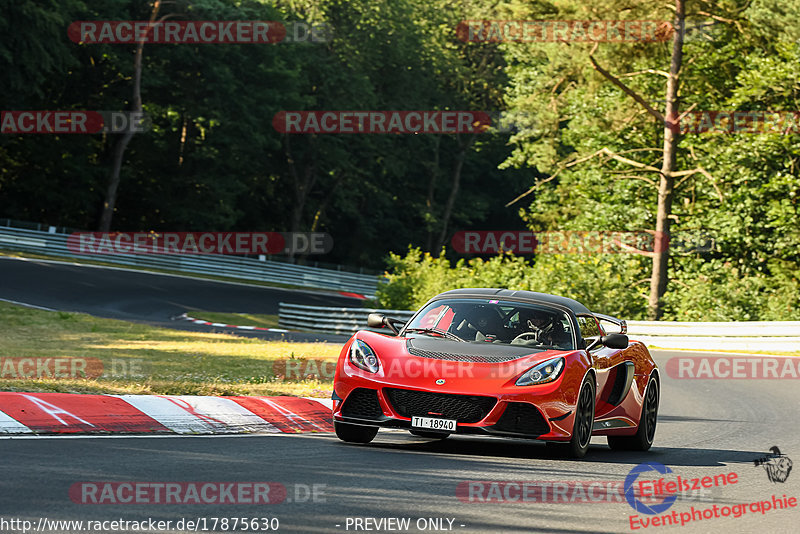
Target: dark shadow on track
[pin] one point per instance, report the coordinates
(489, 447)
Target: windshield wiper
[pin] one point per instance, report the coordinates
(444, 333)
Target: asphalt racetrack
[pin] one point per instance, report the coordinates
(151, 298)
(706, 428)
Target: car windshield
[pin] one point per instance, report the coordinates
(495, 321)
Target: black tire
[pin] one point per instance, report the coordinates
(643, 439)
(430, 435)
(354, 433)
(582, 426)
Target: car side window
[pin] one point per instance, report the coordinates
(590, 329)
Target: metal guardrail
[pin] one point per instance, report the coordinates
(713, 329)
(779, 336)
(776, 336)
(332, 320)
(55, 244)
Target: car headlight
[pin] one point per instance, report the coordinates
(542, 373)
(363, 357)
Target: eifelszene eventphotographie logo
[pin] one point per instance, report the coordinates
(777, 465)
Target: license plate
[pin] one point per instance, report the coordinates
(434, 423)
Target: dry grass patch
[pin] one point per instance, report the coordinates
(144, 359)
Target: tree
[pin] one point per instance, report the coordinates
(122, 141)
(667, 173)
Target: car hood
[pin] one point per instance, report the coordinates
(445, 349)
(424, 357)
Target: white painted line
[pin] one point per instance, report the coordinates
(54, 411)
(9, 425)
(328, 403)
(715, 353)
(34, 306)
(159, 436)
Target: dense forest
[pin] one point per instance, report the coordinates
(596, 135)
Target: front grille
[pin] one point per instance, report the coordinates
(362, 403)
(449, 356)
(462, 408)
(522, 418)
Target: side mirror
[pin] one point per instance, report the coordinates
(378, 320)
(375, 320)
(615, 341)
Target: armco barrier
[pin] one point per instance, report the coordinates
(55, 244)
(775, 336)
(779, 336)
(331, 320)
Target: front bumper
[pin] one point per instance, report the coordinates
(497, 415)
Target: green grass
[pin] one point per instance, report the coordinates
(171, 361)
(238, 319)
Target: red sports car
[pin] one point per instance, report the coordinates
(502, 363)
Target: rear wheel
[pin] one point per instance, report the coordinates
(354, 433)
(431, 435)
(582, 426)
(643, 439)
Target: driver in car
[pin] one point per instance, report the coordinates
(481, 323)
(547, 329)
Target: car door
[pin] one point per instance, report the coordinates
(614, 373)
(590, 331)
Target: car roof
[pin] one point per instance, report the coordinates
(532, 296)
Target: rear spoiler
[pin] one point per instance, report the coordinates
(623, 326)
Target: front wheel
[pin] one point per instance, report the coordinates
(354, 433)
(582, 427)
(643, 439)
